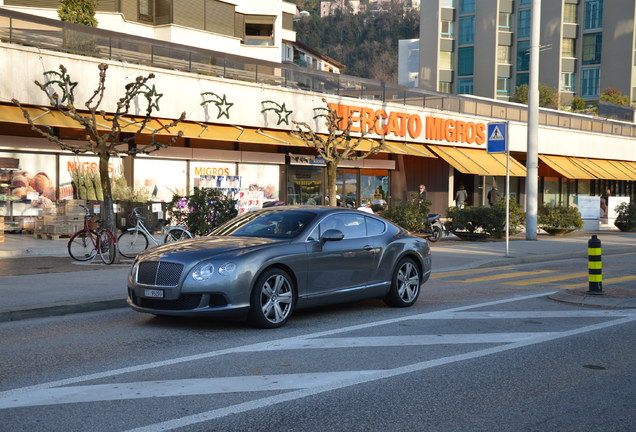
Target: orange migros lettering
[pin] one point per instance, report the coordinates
(211, 171)
(450, 130)
(86, 166)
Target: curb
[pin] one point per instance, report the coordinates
(594, 300)
(62, 309)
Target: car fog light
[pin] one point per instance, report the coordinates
(204, 272)
(227, 269)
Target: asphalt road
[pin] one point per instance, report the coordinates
(482, 350)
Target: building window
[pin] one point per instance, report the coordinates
(590, 80)
(465, 61)
(503, 54)
(467, 6)
(568, 47)
(524, 23)
(145, 11)
(592, 48)
(523, 56)
(445, 87)
(258, 33)
(522, 79)
(593, 14)
(448, 3)
(525, 2)
(467, 30)
(448, 29)
(465, 86)
(570, 13)
(568, 81)
(504, 21)
(446, 60)
(503, 86)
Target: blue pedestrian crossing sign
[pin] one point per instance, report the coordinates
(497, 137)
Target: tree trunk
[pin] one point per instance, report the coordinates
(332, 168)
(108, 215)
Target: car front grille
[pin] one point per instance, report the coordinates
(185, 302)
(159, 273)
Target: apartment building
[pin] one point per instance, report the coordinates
(481, 47)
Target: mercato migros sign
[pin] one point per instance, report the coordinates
(401, 124)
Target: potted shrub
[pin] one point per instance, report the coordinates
(411, 215)
(559, 220)
(496, 224)
(469, 223)
(626, 217)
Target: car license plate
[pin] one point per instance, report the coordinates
(153, 293)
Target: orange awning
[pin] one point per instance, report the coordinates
(478, 161)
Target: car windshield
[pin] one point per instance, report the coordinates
(272, 224)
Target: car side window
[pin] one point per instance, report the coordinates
(351, 225)
(374, 226)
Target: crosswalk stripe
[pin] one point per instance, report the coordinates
(546, 279)
(507, 275)
(606, 282)
(459, 273)
(529, 314)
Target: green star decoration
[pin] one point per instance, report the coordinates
(152, 96)
(281, 110)
(62, 81)
(220, 101)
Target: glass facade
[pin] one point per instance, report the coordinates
(590, 82)
(523, 30)
(465, 86)
(465, 61)
(523, 57)
(522, 79)
(466, 6)
(593, 14)
(467, 30)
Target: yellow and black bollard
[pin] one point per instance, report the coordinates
(595, 266)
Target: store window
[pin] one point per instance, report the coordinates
(262, 178)
(159, 179)
(305, 185)
(374, 184)
(347, 188)
(551, 191)
(467, 30)
(592, 48)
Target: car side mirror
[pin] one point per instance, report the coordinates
(331, 235)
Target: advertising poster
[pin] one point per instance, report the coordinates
(263, 178)
(201, 173)
(159, 180)
(589, 206)
(250, 200)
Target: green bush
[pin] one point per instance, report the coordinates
(202, 211)
(556, 219)
(411, 215)
(626, 217)
(485, 221)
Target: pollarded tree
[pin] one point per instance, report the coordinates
(107, 134)
(339, 144)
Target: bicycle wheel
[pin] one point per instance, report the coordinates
(82, 245)
(106, 246)
(131, 242)
(176, 234)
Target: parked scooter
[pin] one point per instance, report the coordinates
(434, 227)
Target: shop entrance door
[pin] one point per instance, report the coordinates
(305, 185)
(347, 187)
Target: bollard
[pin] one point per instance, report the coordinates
(595, 266)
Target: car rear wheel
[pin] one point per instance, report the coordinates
(405, 286)
(272, 300)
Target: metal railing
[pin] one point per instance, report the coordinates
(46, 33)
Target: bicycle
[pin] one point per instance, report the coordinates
(91, 240)
(135, 240)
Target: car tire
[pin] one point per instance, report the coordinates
(405, 285)
(272, 300)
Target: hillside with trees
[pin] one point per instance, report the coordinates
(367, 43)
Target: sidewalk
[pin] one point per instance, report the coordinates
(38, 278)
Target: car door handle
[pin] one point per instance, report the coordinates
(368, 248)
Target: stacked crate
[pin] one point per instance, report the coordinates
(62, 221)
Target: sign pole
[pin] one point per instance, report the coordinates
(498, 143)
(507, 195)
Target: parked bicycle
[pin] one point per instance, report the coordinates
(136, 239)
(92, 239)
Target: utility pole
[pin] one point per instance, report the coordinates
(532, 154)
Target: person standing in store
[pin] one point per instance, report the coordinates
(423, 192)
(605, 201)
(493, 195)
(460, 197)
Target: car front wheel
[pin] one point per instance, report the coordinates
(272, 300)
(405, 286)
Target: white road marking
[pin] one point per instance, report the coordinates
(416, 367)
(528, 314)
(171, 388)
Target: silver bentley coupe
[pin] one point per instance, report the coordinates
(266, 263)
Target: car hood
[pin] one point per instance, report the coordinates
(205, 248)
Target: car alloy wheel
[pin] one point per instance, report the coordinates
(272, 299)
(405, 287)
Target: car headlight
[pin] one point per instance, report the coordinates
(203, 272)
(227, 269)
